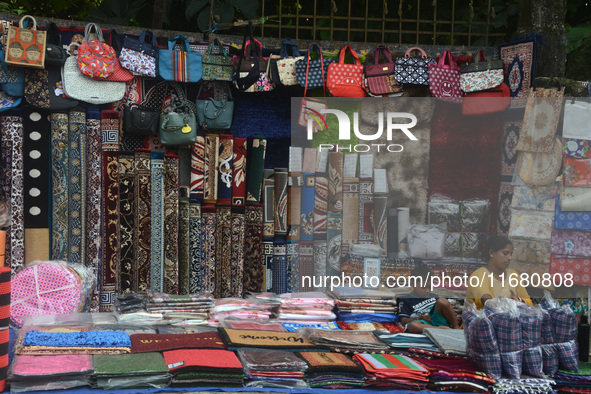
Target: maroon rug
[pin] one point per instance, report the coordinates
(465, 155)
(144, 343)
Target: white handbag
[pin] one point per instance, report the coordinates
(82, 88)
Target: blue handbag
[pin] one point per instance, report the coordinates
(180, 65)
(312, 73)
(140, 56)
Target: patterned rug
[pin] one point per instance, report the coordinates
(520, 62)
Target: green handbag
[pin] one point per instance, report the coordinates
(178, 129)
(215, 114)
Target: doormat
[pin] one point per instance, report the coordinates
(265, 340)
(143, 343)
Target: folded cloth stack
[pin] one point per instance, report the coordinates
(204, 367)
(127, 371)
(356, 305)
(574, 382)
(448, 341)
(332, 371)
(393, 371)
(524, 385)
(272, 368)
(85, 342)
(345, 341)
(308, 308)
(183, 309)
(456, 375)
(41, 373)
(371, 326)
(238, 308)
(405, 340)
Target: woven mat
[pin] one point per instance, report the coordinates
(142, 343)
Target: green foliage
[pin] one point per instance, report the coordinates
(223, 11)
(117, 12)
(577, 35)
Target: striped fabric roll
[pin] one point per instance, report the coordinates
(4, 322)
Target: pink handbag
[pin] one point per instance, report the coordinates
(346, 80)
(444, 79)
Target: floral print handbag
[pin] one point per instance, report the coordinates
(482, 74)
(140, 56)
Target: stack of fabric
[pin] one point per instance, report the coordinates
(574, 382)
(371, 326)
(204, 367)
(332, 371)
(406, 340)
(356, 305)
(393, 371)
(183, 309)
(126, 371)
(272, 368)
(238, 308)
(307, 308)
(345, 341)
(456, 375)
(41, 373)
(448, 341)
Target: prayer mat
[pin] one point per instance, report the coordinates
(171, 224)
(542, 113)
(279, 271)
(202, 360)
(127, 199)
(36, 183)
(110, 178)
(319, 362)
(253, 273)
(255, 163)
(293, 266)
(59, 186)
(129, 364)
(184, 241)
(238, 227)
(225, 169)
(265, 340)
(366, 208)
(210, 179)
(223, 241)
(239, 172)
(392, 366)
(519, 63)
(76, 185)
(142, 221)
(142, 343)
(208, 248)
(280, 202)
(195, 269)
(465, 155)
(449, 341)
(197, 168)
(93, 199)
(157, 222)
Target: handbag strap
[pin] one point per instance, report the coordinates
(54, 36)
(258, 50)
(242, 82)
(230, 97)
(385, 51)
(2, 59)
(88, 31)
(354, 56)
(216, 42)
(288, 46)
(409, 50)
(21, 22)
(142, 38)
(114, 40)
(183, 40)
(446, 60)
(314, 45)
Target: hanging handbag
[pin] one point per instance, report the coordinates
(82, 88)
(346, 80)
(177, 124)
(312, 73)
(251, 73)
(215, 114)
(488, 101)
(217, 66)
(311, 107)
(285, 66)
(413, 70)
(12, 79)
(380, 76)
(180, 65)
(120, 74)
(55, 53)
(96, 59)
(140, 55)
(44, 89)
(140, 120)
(482, 74)
(444, 78)
(26, 46)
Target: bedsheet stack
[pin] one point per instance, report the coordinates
(239, 308)
(355, 305)
(40, 373)
(204, 367)
(456, 375)
(308, 308)
(188, 309)
(272, 368)
(332, 371)
(126, 371)
(345, 341)
(393, 371)
(574, 382)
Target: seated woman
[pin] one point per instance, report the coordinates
(493, 280)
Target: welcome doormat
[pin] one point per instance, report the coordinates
(265, 340)
(143, 343)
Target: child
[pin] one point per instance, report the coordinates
(423, 309)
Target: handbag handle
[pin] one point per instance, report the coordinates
(217, 42)
(354, 56)
(409, 50)
(142, 38)
(230, 97)
(114, 40)
(183, 41)
(258, 49)
(385, 51)
(242, 82)
(312, 46)
(21, 24)
(54, 35)
(446, 60)
(288, 46)
(88, 30)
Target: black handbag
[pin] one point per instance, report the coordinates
(55, 54)
(140, 120)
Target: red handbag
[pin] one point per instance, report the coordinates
(488, 101)
(380, 76)
(346, 80)
(444, 78)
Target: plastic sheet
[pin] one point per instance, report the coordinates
(427, 241)
(271, 360)
(475, 216)
(442, 210)
(143, 382)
